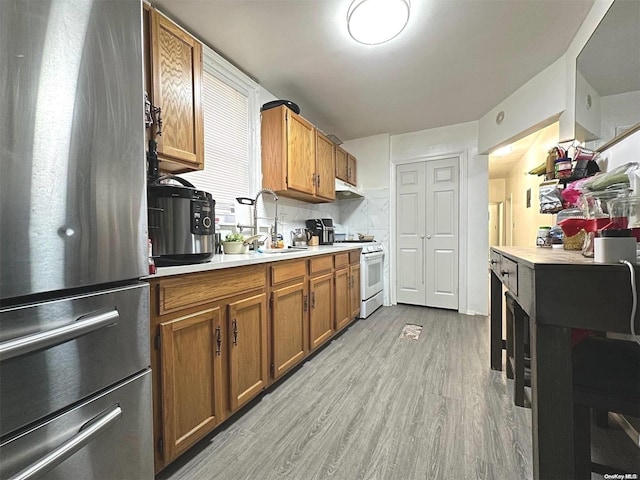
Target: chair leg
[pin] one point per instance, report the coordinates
(509, 321)
(519, 320)
(582, 441)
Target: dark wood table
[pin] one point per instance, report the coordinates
(559, 290)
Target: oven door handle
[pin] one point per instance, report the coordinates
(88, 432)
(38, 341)
(372, 255)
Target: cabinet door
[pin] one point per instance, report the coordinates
(176, 77)
(341, 164)
(301, 152)
(320, 310)
(351, 169)
(190, 364)
(342, 295)
(354, 291)
(247, 340)
(289, 327)
(325, 167)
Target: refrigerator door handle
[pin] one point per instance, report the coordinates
(38, 341)
(87, 433)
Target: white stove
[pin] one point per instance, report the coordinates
(371, 276)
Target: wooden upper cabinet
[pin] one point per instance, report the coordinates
(176, 87)
(341, 164)
(325, 167)
(292, 160)
(351, 169)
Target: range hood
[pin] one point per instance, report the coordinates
(345, 190)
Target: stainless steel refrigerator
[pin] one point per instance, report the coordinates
(75, 386)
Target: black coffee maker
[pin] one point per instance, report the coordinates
(323, 229)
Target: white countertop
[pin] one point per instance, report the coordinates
(219, 261)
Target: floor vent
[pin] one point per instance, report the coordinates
(412, 332)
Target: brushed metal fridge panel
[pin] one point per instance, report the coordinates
(57, 352)
(72, 169)
(107, 436)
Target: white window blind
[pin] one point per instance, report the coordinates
(227, 138)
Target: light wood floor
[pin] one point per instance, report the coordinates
(372, 405)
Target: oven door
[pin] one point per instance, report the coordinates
(371, 265)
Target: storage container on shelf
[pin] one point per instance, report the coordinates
(595, 206)
(572, 241)
(624, 212)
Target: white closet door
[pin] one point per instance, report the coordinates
(410, 228)
(441, 246)
(427, 233)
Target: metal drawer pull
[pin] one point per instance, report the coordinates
(38, 341)
(235, 331)
(218, 340)
(87, 434)
(505, 272)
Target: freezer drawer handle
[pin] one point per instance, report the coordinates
(38, 341)
(87, 434)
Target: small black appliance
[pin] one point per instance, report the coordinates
(181, 222)
(323, 229)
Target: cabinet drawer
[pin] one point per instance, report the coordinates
(509, 274)
(285, 271)
(200, 288)
(320, 265)
(354, 257)
(342, 259)
(495, 261)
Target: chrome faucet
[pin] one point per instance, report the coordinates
(254, 203)
(274, 238)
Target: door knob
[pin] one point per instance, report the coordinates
(422, 236)
(428, 237)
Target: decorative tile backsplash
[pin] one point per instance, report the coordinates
(368, 215)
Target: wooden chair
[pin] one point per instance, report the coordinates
(517, 348)
(606, 376)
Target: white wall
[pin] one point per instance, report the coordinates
(623, 152)
(497, 190)
(536, 104)
(456, 139)
(618, 111)
(371, 214)
(526, 220)
(567, 118)
(588, 116)
(373, 160)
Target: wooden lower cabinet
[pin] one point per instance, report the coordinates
(200, 376)
(213, 337)
(191, 378)
(342, 298)
(320, 310)
(288, 327)
(248, 356)
(289, 311)
(354, 291)
(347, 288)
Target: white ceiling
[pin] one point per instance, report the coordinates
(456, 60)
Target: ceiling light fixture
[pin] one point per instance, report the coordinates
(373, 22)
